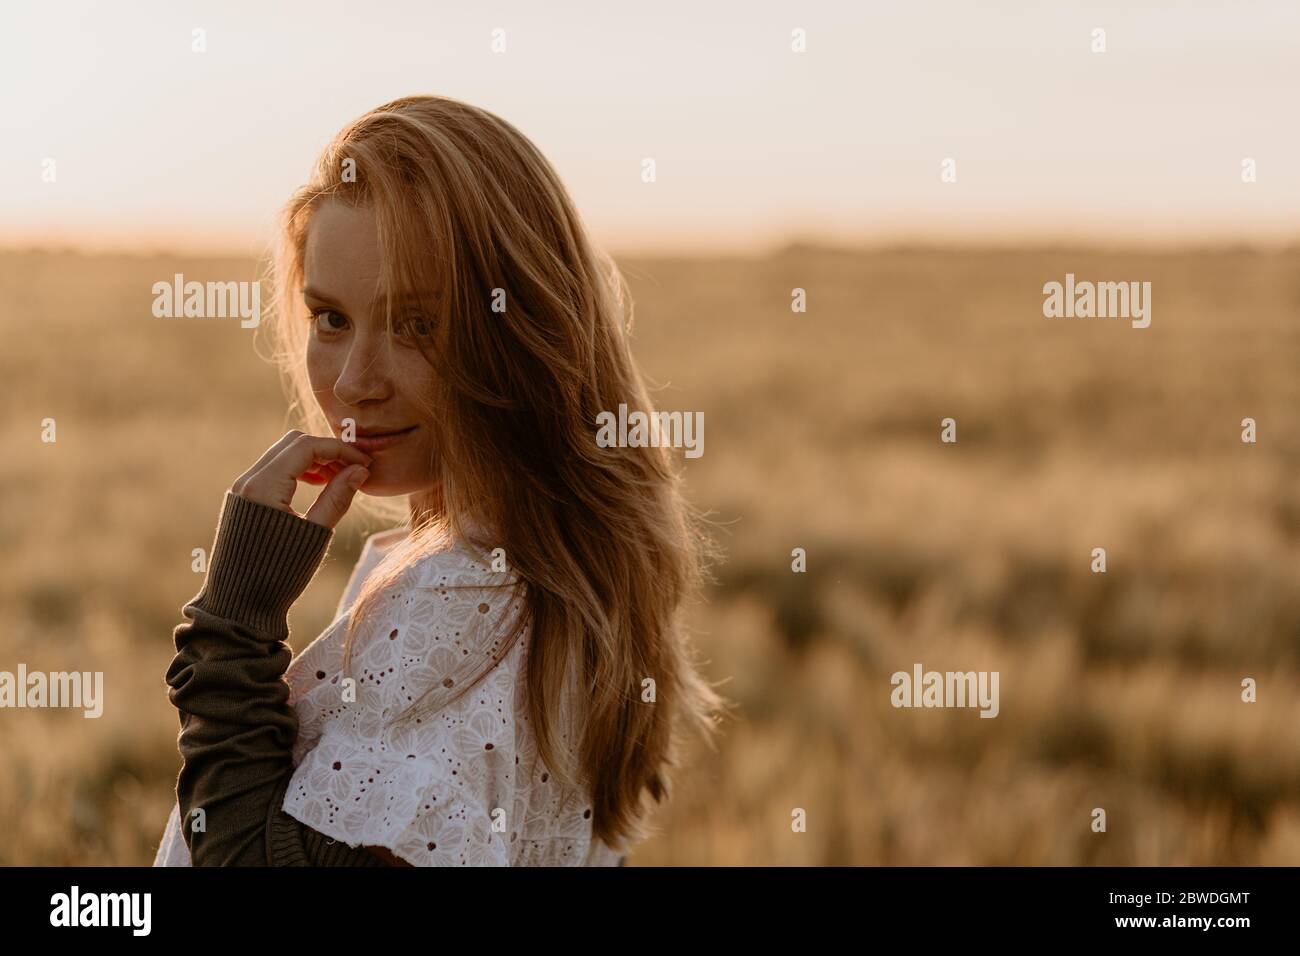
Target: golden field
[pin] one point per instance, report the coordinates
(1118, 690)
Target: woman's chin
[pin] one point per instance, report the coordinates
(377, 487)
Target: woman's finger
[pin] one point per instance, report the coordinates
(320, 474)
(296, 457)
(237, 486)
(309, 450)
(335, 500)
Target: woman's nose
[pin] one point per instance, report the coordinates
(364, 376)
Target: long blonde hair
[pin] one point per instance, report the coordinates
(600, 538)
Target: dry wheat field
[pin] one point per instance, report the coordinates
(1119, 691)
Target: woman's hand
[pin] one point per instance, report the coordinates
(296, 457)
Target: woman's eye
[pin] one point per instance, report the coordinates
(413, 326)
(328, 315)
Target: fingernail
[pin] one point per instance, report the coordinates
(358, 477)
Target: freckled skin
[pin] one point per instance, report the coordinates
(357, 369)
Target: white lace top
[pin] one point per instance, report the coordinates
(457, 783)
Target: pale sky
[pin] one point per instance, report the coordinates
(159, 147)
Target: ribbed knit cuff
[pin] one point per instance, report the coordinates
(262, 561)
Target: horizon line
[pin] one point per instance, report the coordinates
(750, 251)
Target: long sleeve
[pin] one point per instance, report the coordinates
(227, 682)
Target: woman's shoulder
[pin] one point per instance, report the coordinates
(464, 559)
(459, 583)
(446, 617)
(441, 620)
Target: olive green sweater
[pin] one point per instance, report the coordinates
(227, 682)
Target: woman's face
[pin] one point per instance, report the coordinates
(358, 370)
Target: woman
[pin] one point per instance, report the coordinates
(523, 680)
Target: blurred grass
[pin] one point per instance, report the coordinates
(1119, 690)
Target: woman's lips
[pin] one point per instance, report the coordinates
(373, 443)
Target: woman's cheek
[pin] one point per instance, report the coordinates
(318, 377)
(416, 467)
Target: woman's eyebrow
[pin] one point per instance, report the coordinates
(404, 299)
(400, 302)
(310, 293)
